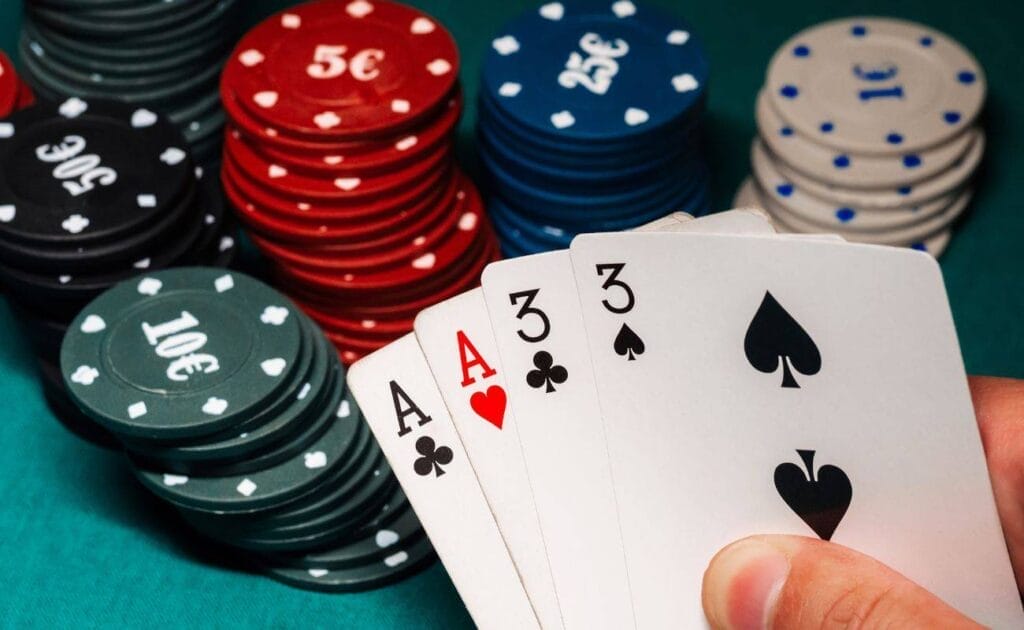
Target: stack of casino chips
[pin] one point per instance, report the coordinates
(590, 120)
(233, 408)
(868, 127)
(15, 94)
(91, 193)
(162, 54)
(338, 158)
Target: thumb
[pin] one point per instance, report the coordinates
(792, 582)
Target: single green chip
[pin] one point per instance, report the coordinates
(181, 353)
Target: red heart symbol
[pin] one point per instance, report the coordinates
(490, 405)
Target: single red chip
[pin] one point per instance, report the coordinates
(9, 86)
(342, 69)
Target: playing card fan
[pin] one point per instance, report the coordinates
(608, 417)
(868, 127)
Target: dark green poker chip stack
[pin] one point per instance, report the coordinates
(162, 54)
(233, 407)
(91, 193)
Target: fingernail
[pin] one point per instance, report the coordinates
(742, 585)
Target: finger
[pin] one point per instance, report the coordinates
(999, 406)
(796, 583)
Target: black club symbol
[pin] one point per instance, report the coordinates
(433, 457)
(546, 374)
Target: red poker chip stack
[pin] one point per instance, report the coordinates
(339, 159)
(15, 94)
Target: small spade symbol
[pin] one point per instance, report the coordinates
(774, 337)
(628, 344)
(821, 502)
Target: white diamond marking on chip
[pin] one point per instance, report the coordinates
(214, 406)
(315, 460)
(291, 21)
(251, 57)
(142, 118)
(327, 120)
(137, 410)
(149, 286)
(678, 37)
(175, 480)
(439, 67)
(274, 315)
(344, 409)
(85, 375)
(510, 89)
(75, 224)
(73, 107)
(173, 156)
(359, 9)
(224, 283)
(304, 391)
(422, 26)
(385, 538)
(273, 367)
(92, 324)
(400, 106)
(246, 487)
(624, 9)
(505, 45)
(396, 559)
(265, 99)
(684, 83)
(406, 143)
(636, 116)
(553, 11)
(146, 201)
(563, 119)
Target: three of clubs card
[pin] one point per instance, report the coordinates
(580, 435)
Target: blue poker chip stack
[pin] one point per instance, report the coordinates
(590, 120)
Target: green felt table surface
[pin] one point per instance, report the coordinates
(82, 545)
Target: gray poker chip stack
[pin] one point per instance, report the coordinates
(868, 128)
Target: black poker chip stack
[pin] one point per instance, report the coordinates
(165, 55)
(91, 193)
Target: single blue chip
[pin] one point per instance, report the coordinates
(586, 72)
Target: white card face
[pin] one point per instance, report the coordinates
(537, 324)
(765, 385)
(459, 346)
(538, 327)
(401, 403)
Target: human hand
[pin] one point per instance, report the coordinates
(793, 582)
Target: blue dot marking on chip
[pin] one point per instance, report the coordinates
(927, 41)
(894, 138)
(951, 117)
(921, 247)
(789, 91)
(802, 51)
(911, 160)
(827, 127)
(858, 30)
(784, 190)
(845, 215)
(966, 77)
(841, 161)
(905, 190)
(786, 132)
